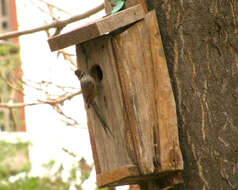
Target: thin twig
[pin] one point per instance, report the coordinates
(54, 6)
(47, 13)
(55, 24)
(61, 99)
(19, 105)
(50, 83)
(67, 57)
(40, 102)
(67, 119)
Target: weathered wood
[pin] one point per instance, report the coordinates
(117, 175)
(130, 3)
(134, 65)
(170, 156)
(112, 152)
(108, 6)
(136, 100)
(97, 28)
(152, 109)
(129, 175)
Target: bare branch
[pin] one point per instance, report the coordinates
(67, 57)
(49, 83)
(61, 99)
(66, 119)
(18, 105)
(55, 24)
(52, 102)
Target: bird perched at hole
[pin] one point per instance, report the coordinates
(88, 86)
(90, 91)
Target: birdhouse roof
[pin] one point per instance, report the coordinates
(97, 28)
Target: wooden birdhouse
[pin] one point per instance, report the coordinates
(124, 54)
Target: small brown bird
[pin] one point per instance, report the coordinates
(89, 89)
(88, 86)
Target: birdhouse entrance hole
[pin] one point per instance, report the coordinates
(96, 72)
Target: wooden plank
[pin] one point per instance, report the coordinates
(170, 157)
(130, 3)
(108, 6)
(148, 96)
(110, 152)
(130, 175)
(134, 64)
(117, 175)
(97, 28)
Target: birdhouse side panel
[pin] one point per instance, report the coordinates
(134, 63)
(114, 150)
(149, 97)
(167, 140)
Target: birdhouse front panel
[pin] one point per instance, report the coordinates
(113, 150)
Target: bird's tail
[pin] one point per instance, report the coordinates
(100, 117)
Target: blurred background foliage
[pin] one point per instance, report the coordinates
(15, 169)
(11, 86)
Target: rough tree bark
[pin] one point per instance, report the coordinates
(201, 46)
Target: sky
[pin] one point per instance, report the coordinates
(44, 126)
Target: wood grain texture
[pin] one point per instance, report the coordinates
(108, 6)
(136, 100)
(130, 175)
(111, 153)
(170, 156)
(134, 65)
(130, 3)
(97, 28)
(117, 175)
(148, 95)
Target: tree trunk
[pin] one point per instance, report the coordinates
(201, 46)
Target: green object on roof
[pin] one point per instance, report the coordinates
(118, 5)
